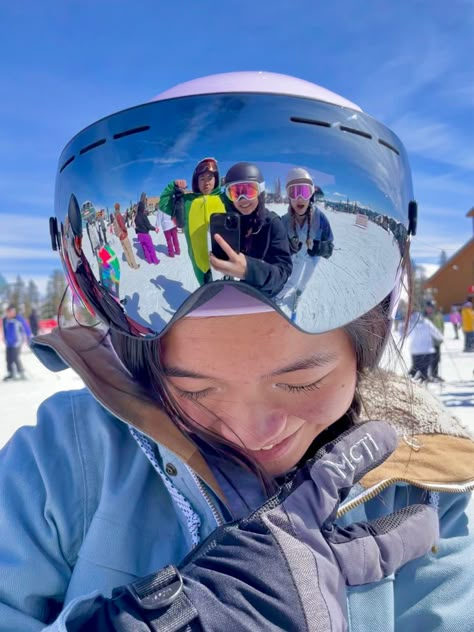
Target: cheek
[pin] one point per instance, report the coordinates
(197, 412)
(323, 407)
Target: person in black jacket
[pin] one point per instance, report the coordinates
(143, 228)
(264, 260)
(34, 322)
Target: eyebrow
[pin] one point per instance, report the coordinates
(314, 361)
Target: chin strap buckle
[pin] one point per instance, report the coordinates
(158, 590)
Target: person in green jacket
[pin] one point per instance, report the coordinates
(199, 205)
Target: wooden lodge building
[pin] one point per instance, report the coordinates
(453, 282)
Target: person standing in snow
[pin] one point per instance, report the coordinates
(436, 317)
(93, 235)
(102, 227)
(170, 231)
(264, 260)
(455, 320)
(34, 322)
(192, 211)
(420, 334)
(16, 332)
(143, 227)
(121, 232)
(467, 323)
(308, 229)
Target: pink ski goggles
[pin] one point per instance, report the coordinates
(304, 191)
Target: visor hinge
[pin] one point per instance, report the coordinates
(412, 217)
(54, 233)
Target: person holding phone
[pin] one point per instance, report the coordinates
(225, 469)
(199, 205)
(264, 260)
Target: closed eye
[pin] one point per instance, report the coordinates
(301, 389)
(193, 395)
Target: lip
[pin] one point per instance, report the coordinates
(278, 451)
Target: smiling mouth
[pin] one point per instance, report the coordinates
(274, 450)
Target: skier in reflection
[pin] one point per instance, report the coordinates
(192, 211)
(309, 233)
(264, 260)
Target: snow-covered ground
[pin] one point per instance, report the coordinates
(19, 400)
(153, 292)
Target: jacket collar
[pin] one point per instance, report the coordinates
(435, 450)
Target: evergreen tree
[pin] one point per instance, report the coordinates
(277, 190)
(54, 294)
(32, 297)
(443, 257)
(418, 281)
(17, 293)
(3, 291)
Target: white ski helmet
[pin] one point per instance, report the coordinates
(298, 174)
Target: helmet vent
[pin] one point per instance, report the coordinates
(129, 132)
(298, 119)
(68, 162)
(98, 143)
(351, 130)
(389, 146)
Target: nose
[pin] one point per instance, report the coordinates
(254, 426)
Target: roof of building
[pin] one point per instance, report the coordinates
(451, 260)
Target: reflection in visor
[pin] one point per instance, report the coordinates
(341, 255)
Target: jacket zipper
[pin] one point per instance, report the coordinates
(211, 504)
(374, 491)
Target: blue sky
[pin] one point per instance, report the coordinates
(64, 64)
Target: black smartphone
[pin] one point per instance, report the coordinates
(227, 225)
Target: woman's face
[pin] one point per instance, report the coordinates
(245, 206)
(300, 206)
(206, 183)
(259, 382)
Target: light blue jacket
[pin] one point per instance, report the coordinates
(84, 509)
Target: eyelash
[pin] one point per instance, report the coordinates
(197, 395)
(193, 395)
(302, 389)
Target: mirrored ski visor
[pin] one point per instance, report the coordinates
(122, 178)
(304, 191)
(247, 190)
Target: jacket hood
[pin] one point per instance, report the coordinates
(436, 450)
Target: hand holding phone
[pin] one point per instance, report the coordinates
(227, 225)
(236, 264)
